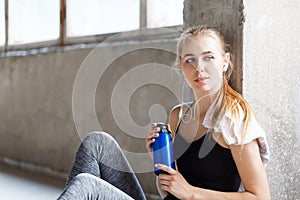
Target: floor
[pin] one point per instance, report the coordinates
(16, 184)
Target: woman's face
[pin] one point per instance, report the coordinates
(203, 63)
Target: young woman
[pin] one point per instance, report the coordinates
(220, 148)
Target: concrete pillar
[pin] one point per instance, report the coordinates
(263, 38)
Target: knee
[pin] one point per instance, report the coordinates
(81, 180)
(98, 137)
(85, 181)
(87, 184)
(83, 177)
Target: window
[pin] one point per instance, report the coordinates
(164, 13)
(91, 17)
(33, 21)
(2, 23)
(36, 23)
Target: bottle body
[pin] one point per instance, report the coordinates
(163, 149)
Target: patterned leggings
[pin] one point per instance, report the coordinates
(101, 171)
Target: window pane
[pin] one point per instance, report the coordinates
(90, 17)
(2, 23)
(33, 21)
(164, 13)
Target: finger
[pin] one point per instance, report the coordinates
(150, 142)
(154, 130)
(151, 136)
(164, 182)
(165, 188)
(153, 125)
(164, 177)
(166, 169)
(151, 139)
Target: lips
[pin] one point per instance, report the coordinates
(201, 79)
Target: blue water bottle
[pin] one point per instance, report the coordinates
(163, 149)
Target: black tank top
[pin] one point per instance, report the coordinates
(212, 167)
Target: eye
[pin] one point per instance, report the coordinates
(208, 58)
(190, 60)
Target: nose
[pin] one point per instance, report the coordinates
(200, 67)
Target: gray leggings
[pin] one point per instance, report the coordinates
(101, 171)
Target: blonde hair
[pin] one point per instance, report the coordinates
(228, 100)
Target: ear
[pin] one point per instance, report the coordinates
(226, 61)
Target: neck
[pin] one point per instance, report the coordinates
(203, 102)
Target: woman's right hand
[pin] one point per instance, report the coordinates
(153, 133)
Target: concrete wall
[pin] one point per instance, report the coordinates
(36, 123)
(272, 86)
(270, 79)
(50, 101)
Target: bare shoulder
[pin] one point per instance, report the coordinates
(176, 113)
(220, 140)
(175, 110)
(174, 117)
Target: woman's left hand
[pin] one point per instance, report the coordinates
(174, 182)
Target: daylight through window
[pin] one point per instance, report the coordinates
(92, 17)
(60, 22)
(2, 23)
(33, 21)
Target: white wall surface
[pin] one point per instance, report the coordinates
(271, 72)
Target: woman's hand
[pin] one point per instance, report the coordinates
(174, 183)
(153, 133)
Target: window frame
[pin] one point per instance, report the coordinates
(140, 34)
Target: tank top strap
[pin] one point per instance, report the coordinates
(191, 104)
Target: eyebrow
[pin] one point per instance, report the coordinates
(189, 54)
(205, 52)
